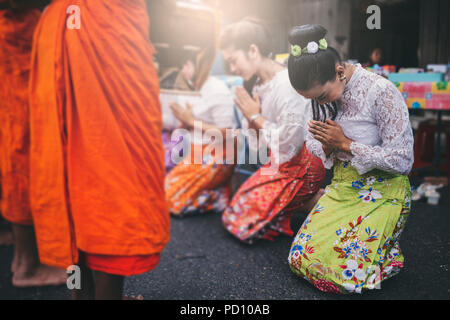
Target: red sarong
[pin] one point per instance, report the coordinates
(264, 205)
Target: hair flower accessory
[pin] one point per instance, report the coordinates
(296, 51)
(323, 45)
(312, 47)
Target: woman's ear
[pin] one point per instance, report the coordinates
(253, 52)
(339, 69)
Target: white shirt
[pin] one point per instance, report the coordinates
(286, 113)
(215, 107)
(216, 104)
(372, 113)
(213, 104)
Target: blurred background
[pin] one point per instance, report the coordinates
(414, 33)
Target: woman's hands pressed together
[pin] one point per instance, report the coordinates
(185, 115)
(248, 105)
(330, 134)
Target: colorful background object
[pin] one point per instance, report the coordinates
(425, 95)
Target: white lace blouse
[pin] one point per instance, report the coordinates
(286, 113)
(372, 113)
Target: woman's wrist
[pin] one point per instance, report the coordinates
(253, 117)
(190, 123)
(258, 122)
(327, 150)
(345, 146)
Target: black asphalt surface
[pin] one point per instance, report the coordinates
(203, 261)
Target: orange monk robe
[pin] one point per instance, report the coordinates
(16, 35)
(97, 159)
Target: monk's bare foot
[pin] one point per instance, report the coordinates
(39, 276)
(139, 297)
(311, 203)
(6, 237)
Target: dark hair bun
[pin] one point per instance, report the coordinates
(302, 35)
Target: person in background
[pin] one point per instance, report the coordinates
(375, 58)
(18, 21)
(96, 160)
(182, 79)
(263, 206)
(361, 129)
(195, 188)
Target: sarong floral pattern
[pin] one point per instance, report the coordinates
(350, 241)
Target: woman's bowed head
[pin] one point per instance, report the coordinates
(319, 75)
(246, 46)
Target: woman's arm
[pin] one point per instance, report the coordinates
(284, 136)
(188, 120)
(396, 152)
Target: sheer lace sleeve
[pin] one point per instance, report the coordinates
(395, 154)
(315, 148)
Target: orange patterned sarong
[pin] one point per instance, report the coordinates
(198, 188)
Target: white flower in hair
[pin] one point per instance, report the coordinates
(312, 47)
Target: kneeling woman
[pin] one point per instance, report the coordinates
(201, 186)
(349, 242)
(265, 203)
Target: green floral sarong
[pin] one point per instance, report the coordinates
(349, 242)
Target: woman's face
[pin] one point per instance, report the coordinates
(188, 70)
(376, 56)
(240, 63)
(329, 92)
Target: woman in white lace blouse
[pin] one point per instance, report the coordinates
(361, 128)
(263, 206)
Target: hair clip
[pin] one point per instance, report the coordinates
(296, 51)
(311, 48)
(323, 45)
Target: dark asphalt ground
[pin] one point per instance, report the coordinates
(203, 261)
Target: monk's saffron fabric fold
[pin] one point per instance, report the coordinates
(97, 162)
(16, 34)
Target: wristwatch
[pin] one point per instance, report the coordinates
(255, 116)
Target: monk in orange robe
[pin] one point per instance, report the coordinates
(6, 237)
(17, 25)
(97, 159)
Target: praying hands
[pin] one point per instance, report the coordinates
(248, 105)
(330, 134)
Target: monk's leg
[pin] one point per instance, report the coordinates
(108, 286)
(28, 271)
(24, 253)
(87, 291)
(6, 237)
